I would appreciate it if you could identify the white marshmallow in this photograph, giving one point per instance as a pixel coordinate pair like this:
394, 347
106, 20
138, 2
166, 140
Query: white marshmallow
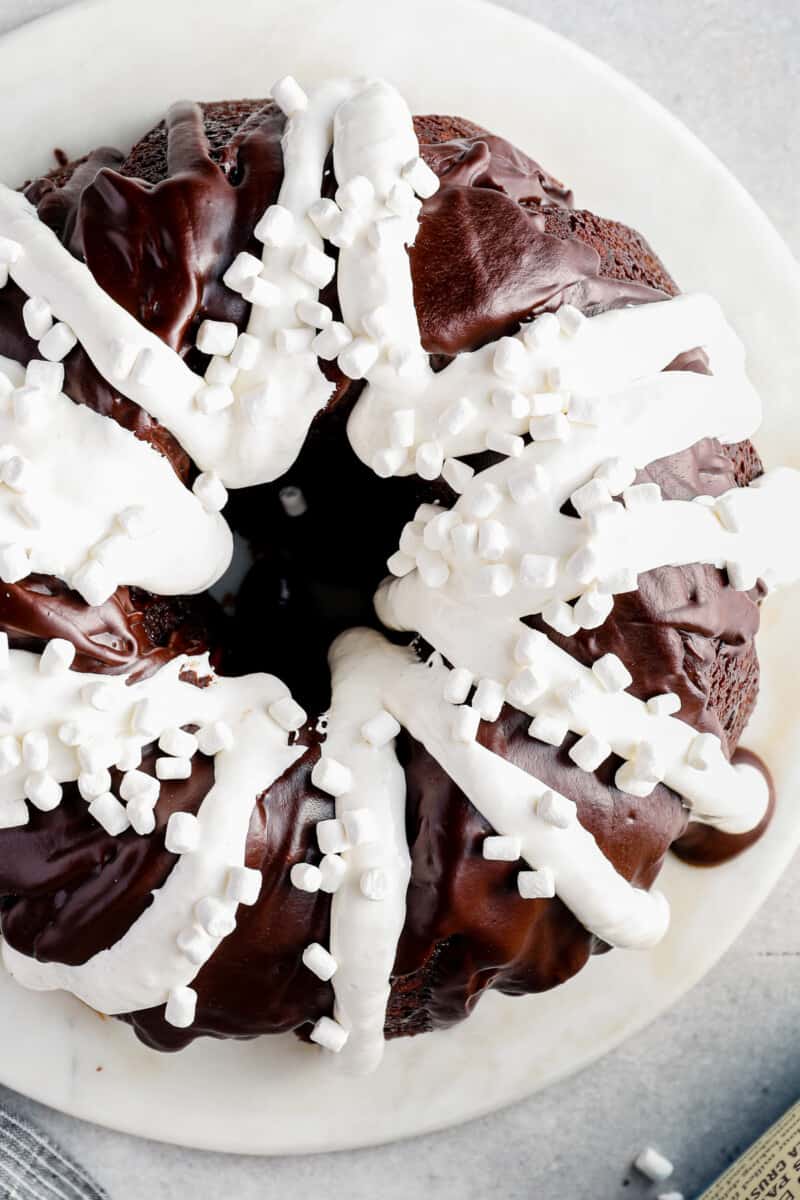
380, 729
109, 813
331, 776
502, 849
319, 961
329, 1034
181, 1007
183, 833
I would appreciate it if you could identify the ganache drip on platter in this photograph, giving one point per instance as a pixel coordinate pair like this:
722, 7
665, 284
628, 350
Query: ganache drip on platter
372, 340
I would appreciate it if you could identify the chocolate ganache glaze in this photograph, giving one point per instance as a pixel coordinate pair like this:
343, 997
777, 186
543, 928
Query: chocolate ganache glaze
498, 242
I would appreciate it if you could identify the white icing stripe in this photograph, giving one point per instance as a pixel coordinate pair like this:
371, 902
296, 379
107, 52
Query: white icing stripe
88, 481
365, 931
146, 964
585, 880
730, 797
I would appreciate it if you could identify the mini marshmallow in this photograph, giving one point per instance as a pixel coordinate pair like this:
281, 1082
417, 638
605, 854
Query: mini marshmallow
173, 768
35, 750
332, 870
130, 756
388, 462
511, 403
664, 705
331, 776
555, 809
429, 460
360, 826
245, 266
94, 583
570, 319
617, 474
260, 292
611, 673
216, 337
400, 564
70, 733
195, 944
182, 834
331, 836
509, 359
210, 491
524, 688
14, 563
181, 1007
536, 885
289, 96
43, 791
323, 214
275, 227
590, 496
332, 340
57, 656
373, 884
508, 444
356, 192
558, 614
380, 729
294, 341
437, 532
357, 357
457, 685
221, 371
418, 175
501, 849
312, 265
245, 352
305, 877
433, 569
457, 417
545, 404
528, 646
178, 743
312, 313
215, 737
48, 376
319, 961
135, 521
492, 540
215, 916
57, 342
141, 816
287, 713
551, 428
548, 728
37, 317
93, 756
329, 1034
641, 495
592, 608
457, 474
344, 229
589, 752
488, 699
243, 885
109, 813
654, 1165
538, 571
92, 784
465, 724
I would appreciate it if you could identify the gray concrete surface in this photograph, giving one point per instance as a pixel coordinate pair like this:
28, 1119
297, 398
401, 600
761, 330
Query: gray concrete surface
709, 1077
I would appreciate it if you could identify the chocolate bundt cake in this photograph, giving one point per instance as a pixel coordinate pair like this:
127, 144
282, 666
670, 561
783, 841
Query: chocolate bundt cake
304, 795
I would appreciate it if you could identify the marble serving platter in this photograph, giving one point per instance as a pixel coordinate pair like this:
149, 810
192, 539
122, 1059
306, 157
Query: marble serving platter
103, 72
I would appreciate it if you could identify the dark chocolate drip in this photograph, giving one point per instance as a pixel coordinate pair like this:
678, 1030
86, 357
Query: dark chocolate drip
486, 161
704, 846
132, 631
